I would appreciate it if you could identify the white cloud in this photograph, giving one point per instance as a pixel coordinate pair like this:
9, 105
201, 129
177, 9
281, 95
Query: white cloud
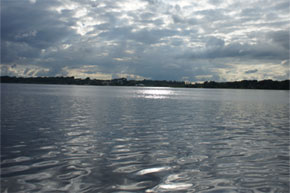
32, 1
129, 51
122, 59
23, 70
131, 76
86, 71
204, 77
260, 72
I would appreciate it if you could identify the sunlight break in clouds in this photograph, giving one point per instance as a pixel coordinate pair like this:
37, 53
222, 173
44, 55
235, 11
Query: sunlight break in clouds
157, 39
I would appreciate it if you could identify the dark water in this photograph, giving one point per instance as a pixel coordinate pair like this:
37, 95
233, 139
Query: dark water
131, 139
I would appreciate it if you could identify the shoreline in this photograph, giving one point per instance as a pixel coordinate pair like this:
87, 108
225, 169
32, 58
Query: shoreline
244, 84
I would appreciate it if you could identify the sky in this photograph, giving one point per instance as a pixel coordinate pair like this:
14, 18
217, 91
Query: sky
185, 40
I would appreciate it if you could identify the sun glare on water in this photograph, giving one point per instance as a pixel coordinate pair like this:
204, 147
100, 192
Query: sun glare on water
156, 93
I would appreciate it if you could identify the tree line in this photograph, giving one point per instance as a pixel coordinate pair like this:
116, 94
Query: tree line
244, 84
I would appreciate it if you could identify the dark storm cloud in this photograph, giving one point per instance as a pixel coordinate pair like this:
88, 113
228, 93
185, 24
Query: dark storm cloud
26, 29
22, 22
280, 37
146, 38
216, 48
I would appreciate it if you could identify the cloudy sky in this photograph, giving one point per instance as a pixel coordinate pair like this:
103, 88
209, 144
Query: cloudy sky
194, 40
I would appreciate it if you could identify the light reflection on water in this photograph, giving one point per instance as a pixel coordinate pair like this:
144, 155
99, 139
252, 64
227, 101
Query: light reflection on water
137, 139
155, 93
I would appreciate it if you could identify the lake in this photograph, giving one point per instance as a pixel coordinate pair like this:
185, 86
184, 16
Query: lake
68, 138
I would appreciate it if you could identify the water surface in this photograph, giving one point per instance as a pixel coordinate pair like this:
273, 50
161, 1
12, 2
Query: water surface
61, 138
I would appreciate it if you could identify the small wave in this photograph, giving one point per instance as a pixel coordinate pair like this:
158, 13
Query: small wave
153, 170
17, 160
127, 169
134, 186
48, 147
46, 163
170, 187
73, 174
13, 169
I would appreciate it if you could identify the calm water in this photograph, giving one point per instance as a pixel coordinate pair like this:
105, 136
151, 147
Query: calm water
60, 138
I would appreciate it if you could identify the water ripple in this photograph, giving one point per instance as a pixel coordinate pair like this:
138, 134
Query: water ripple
144, 140
152, 170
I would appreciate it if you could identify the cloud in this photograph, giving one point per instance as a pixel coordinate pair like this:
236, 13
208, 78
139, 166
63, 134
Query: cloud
23, 70
130, 76
245, 72
146, 38
204, 77
251, 71
216, 48
281, 38
84, 72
